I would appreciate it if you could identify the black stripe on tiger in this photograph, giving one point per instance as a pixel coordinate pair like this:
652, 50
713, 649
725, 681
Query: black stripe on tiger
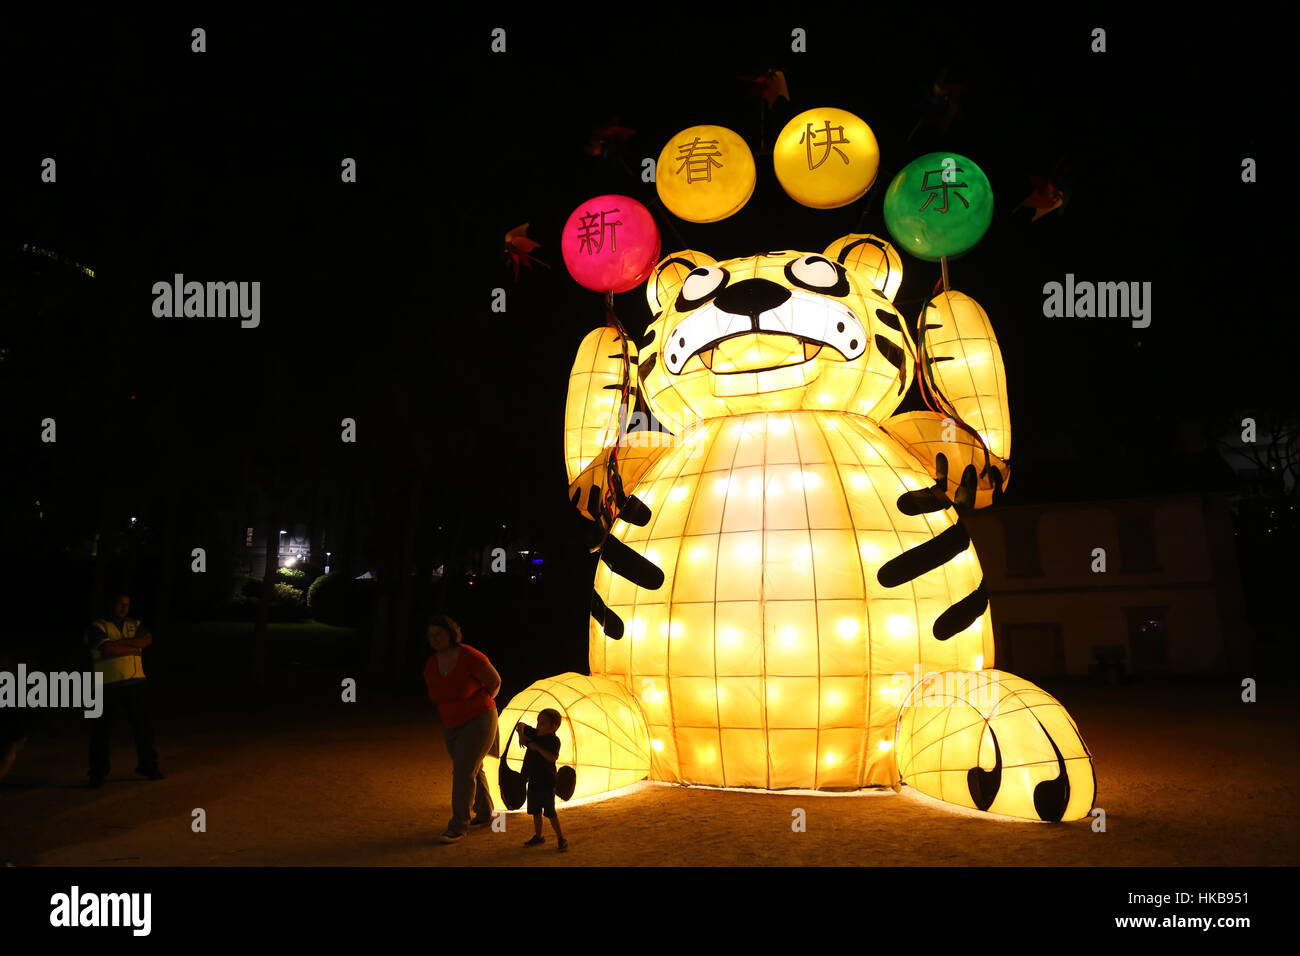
637, 568
645, 366
608, 620
891, 320
914, 562
962, 614
894, 356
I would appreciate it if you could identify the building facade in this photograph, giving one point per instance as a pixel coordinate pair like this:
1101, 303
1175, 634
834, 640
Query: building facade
1168, 601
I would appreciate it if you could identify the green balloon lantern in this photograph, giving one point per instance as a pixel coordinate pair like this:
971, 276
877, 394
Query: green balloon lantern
939, 205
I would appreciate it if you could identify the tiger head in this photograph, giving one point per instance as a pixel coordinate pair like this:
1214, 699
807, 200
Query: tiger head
775, 332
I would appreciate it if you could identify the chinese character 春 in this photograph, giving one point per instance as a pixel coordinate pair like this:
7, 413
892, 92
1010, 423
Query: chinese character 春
810, 136
697, 161
945, 186
591, 236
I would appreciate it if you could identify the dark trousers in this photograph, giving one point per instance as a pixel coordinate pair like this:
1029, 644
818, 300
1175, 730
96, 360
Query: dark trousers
468, 745
133, 700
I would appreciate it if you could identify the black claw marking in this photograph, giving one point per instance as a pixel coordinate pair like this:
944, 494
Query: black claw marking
962, 614
643, 369
593, 501
996, 478
577, 496
922, 502
1051, 797
513, 786
984, 784
566, 781
634, 511
635, 567
914, 562
608, 620
928, 499
965, 496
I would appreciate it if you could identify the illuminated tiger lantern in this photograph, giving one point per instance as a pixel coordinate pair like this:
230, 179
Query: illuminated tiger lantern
785, 596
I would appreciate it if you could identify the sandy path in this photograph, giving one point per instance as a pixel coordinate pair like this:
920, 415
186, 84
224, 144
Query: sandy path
1187, 775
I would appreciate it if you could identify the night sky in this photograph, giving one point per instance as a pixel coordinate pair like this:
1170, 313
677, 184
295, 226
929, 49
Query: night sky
224, 166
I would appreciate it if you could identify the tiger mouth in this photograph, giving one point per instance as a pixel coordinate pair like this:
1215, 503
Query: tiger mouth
751, 352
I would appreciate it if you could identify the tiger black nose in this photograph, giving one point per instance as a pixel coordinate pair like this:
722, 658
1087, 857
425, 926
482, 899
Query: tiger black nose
751, 297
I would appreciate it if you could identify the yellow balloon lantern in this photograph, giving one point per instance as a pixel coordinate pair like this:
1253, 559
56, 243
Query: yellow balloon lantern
826, 158
786, 566
705, 173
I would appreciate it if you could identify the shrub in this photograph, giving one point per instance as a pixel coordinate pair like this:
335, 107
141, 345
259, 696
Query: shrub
327, 598
249, 587
336, 599
287, 594
294, 577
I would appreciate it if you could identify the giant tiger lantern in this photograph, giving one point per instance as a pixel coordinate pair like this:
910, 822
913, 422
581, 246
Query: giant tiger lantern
785, 596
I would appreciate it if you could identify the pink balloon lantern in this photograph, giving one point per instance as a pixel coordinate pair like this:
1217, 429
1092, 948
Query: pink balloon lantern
610, 244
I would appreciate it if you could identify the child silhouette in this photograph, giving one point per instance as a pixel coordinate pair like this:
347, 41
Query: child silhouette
539, 771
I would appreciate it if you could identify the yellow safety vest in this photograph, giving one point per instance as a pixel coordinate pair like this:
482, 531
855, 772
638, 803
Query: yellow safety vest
117, 667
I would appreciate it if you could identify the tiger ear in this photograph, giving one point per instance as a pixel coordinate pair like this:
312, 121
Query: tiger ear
873, 260
668, 276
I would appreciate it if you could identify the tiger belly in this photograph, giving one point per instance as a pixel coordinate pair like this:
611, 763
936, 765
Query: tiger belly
795, 576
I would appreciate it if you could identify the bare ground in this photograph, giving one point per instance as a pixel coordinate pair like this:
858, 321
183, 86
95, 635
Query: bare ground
1187, 774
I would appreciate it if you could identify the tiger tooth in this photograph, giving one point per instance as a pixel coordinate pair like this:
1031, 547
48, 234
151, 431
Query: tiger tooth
810, 351
707, 358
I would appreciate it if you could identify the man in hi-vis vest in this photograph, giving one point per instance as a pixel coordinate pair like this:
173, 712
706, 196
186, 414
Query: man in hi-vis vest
115, 643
